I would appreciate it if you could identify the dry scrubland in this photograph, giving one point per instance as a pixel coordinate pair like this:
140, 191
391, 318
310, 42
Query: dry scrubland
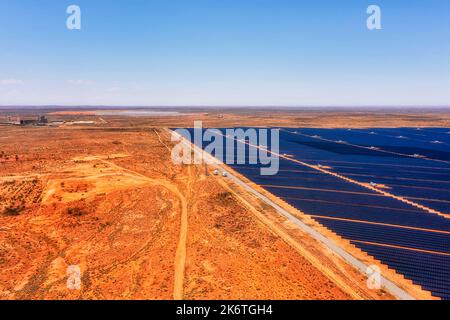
273, 117
220, 118
111, 202
109, 199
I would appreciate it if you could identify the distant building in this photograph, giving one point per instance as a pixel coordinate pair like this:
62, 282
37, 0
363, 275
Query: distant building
43, 120
27, 122
9, 120
40, 120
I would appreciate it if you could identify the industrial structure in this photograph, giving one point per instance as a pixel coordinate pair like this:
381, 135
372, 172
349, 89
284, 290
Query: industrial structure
40, 120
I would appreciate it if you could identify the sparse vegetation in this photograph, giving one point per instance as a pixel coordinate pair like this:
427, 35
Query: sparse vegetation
9, 183
225, 197
13, 211
76, 212
125, 220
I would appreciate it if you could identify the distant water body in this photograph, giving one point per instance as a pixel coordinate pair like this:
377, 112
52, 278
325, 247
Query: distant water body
137, 113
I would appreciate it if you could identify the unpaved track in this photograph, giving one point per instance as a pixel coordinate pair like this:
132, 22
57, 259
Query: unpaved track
362, 267
180, 260
389, 285
295, 245
180, 256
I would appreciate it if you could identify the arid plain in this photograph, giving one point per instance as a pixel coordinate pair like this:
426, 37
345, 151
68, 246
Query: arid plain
106, 197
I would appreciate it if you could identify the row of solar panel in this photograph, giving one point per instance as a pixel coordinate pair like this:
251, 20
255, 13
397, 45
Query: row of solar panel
390, 235
393, 137
330, 197
432, 183
428, 270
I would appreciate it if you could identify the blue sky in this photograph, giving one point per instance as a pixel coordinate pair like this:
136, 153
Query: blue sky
225, 52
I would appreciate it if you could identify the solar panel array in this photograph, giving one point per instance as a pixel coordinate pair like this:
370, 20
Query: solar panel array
413, 164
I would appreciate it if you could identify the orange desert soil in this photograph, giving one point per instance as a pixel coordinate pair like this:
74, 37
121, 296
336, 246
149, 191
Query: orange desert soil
107, 198
110, 201
260, 117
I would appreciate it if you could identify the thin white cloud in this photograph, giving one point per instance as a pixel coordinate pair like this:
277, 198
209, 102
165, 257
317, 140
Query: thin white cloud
80, 82
114, 89
10, 82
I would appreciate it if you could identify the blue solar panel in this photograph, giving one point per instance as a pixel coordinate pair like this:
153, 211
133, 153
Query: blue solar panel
384, 156
430, 271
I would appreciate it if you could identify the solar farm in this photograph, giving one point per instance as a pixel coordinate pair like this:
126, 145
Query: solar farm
387, 191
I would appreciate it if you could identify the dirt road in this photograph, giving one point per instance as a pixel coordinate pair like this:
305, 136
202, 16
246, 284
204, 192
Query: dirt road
180, 257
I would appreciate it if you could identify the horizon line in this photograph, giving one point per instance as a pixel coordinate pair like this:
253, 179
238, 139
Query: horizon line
221, 106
